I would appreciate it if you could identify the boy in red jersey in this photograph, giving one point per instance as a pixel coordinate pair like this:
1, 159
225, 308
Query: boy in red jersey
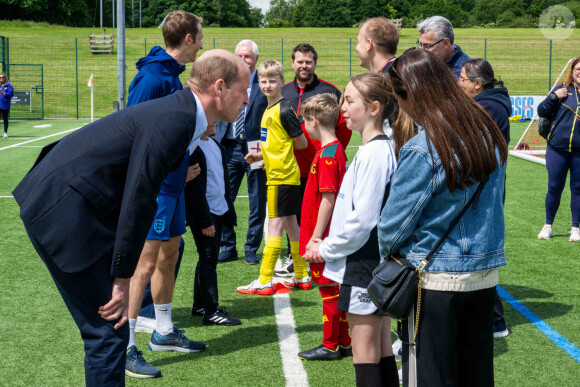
320, 113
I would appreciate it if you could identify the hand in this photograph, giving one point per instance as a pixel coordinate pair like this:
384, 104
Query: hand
192, 172
208, 232
312, 254
118, 307
577, 117
253, 157
561, 93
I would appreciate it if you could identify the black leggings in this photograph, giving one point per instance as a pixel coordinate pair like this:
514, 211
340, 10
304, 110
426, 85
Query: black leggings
5, 118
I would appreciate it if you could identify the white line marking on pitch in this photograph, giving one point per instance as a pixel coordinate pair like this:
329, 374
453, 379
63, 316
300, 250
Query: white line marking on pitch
293, 369
7, 197
38, 139
42, 126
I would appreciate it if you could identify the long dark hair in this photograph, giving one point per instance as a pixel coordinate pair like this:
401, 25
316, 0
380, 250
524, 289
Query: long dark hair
480, 68
463, 135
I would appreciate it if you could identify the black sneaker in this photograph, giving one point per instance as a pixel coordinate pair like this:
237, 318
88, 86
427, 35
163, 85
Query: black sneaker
320, 353
197, 311
220, 317
346, 351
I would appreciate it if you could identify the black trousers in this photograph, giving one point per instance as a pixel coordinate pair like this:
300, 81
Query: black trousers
5, 113
83, 293
455, 340
205, 286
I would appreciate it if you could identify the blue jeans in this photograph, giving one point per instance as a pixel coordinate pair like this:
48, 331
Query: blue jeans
558, 164
256, 179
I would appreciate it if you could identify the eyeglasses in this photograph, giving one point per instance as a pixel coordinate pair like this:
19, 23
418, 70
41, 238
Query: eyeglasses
426, 46
2, 77
461, 79
576, 70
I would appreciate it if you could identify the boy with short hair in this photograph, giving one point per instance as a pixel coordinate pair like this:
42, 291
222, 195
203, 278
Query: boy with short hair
281, 133
320, 113
208, 208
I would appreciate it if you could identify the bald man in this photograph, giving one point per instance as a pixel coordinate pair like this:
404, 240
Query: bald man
88, 201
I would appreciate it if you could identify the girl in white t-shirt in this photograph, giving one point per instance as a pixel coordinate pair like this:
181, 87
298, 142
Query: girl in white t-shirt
351, 249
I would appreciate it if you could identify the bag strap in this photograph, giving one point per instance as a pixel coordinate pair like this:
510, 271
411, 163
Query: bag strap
475, 198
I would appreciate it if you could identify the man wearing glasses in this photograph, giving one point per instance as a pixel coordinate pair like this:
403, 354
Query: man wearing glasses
436, 36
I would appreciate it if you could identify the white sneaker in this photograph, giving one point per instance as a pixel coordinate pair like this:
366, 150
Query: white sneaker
145, 324
401, 376
575, 234
5, 135
546, 232
398, 349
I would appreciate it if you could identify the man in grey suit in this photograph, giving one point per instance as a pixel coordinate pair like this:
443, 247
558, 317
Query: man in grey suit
90, 199
235, 137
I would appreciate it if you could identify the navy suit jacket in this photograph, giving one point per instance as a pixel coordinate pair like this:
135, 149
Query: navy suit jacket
255, 111
92, 195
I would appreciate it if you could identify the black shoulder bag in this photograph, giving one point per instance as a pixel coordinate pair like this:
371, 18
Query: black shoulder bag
396, 282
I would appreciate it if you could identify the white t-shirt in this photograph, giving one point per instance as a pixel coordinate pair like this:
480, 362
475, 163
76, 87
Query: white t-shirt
215, 190
358, 205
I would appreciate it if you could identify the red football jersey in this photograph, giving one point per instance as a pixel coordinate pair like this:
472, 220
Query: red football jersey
326, 173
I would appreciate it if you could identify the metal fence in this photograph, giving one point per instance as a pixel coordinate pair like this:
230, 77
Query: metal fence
526, 66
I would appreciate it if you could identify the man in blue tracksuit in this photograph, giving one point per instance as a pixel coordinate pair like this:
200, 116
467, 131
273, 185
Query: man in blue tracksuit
158, 76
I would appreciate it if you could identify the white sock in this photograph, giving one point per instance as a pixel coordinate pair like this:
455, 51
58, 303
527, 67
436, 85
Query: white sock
132, 324
163, 322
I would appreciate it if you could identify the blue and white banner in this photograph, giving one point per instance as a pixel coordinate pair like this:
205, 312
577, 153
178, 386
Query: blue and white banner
526, 105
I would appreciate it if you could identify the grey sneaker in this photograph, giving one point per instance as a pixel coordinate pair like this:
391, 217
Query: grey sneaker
137, 367
175, 341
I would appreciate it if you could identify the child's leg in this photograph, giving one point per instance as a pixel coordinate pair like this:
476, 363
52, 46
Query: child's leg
343, 331
293, 231
366, 348
388, 364
272, 249
330, 316
205, 285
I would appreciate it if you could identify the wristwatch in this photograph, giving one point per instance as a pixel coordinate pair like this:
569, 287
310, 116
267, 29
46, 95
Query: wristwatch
553, 96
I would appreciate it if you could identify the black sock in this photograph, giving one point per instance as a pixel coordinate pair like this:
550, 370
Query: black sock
367, 375
389, 371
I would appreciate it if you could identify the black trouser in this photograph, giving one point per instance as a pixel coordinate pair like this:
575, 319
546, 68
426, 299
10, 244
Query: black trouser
5, 118
205, 287
455, 340
83, 293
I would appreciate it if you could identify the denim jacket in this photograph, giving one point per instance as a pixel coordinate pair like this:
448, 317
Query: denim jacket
420, 208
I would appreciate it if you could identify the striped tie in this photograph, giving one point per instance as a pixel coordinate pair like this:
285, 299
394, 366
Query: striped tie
239, 125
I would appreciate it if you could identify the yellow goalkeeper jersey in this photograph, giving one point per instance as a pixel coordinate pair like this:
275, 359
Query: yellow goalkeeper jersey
279, 126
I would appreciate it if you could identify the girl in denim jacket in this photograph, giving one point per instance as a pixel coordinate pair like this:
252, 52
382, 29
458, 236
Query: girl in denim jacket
438, 172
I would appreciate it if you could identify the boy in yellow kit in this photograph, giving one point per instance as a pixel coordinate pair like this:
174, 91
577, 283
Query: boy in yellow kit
281, 133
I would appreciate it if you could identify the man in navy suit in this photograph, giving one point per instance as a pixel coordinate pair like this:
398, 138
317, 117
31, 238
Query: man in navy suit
234, 137
89, 200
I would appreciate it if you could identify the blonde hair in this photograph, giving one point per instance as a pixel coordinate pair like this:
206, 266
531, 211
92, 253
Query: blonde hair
323, 107
271, 68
